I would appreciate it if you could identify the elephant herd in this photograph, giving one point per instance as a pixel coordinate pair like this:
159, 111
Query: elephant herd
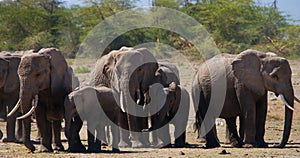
136, 95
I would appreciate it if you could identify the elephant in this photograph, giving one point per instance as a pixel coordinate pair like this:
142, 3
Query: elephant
9, 94
174, 110
98, 107
169, 72
101, 75
249, 75
1, 134
45, 79
132, 76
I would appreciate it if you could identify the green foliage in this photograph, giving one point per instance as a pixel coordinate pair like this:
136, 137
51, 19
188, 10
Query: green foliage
234, 25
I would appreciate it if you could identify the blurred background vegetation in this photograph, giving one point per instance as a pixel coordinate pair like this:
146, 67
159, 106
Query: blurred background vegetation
235, 25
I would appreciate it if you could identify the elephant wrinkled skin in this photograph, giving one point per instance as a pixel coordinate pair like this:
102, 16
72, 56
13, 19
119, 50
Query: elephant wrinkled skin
98, 107
250, 75
46, 79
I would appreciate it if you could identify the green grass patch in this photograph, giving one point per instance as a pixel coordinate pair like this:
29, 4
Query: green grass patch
82, 69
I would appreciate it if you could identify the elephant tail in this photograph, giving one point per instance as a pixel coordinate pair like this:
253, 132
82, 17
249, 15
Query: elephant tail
196, 95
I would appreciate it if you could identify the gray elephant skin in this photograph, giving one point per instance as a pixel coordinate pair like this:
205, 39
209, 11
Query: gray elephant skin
174, 110
45, 79
249, 75
9, 94
133, 74
98, 107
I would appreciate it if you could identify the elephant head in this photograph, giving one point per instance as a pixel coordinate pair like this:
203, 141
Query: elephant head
4, 66
104, 67
260, 74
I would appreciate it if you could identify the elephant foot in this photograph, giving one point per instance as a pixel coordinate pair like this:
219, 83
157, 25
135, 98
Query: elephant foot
124, 144
236, 143
3, 119
180, 145
44, 149
76, 148
115, 150
137, 144
248, 145
201, 140
58, 147
212, 145
261, 145
30, 146
93, 150
168, 146
9, 140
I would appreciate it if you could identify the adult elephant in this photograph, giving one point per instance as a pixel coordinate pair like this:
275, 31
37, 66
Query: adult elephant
132, 76
9, 93
98, 107
101, 75
174, 110
44, 78
249, 75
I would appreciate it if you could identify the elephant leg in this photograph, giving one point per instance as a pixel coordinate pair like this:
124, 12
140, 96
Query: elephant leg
94, 144
3, 112
56, 127
145, 135
233, 135
10, 129
124, 131
261, 114
136, 136
242, 126
154, 132
11, 123
211, 136
45, 128
19, 131
115, 138
248, 108
163, 134
74, 142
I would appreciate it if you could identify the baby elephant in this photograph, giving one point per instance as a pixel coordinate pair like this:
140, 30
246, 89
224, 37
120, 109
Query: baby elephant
96, 106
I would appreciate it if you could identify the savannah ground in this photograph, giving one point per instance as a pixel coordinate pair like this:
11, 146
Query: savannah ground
274, 127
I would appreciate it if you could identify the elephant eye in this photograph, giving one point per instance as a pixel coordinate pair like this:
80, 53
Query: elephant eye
274, 76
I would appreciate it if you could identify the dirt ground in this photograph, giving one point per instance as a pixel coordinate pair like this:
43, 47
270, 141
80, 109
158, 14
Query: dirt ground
274, 127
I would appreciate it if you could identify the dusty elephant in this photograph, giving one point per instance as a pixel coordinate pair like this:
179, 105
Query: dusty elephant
132, 76
99, 108
44, 78
174, 110
9, 93
101, 75
249, 75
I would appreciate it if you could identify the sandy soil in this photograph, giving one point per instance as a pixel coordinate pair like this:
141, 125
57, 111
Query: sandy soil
273, 133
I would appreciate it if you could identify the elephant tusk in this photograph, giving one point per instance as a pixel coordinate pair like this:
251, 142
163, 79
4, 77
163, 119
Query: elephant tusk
138, 96
298, 100
122, 102
286, 103
27, 114
14, 110
36, 99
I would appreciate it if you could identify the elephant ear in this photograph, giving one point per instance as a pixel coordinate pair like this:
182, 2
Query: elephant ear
12, 80
59, 69
247, 70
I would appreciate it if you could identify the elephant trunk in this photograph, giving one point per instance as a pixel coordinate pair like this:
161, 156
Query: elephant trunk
25, 101
288, 99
